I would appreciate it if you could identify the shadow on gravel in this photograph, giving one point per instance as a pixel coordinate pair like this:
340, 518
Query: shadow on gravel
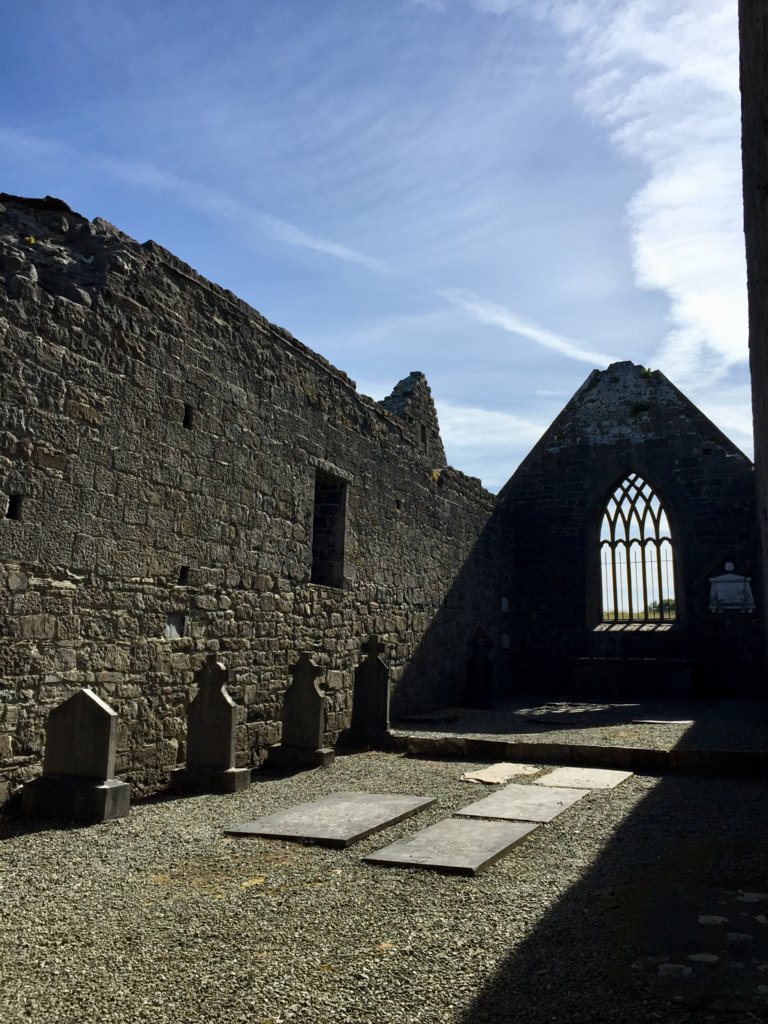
708, 725
669, 924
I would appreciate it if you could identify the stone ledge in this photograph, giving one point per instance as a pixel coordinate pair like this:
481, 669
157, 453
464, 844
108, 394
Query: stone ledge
752, 763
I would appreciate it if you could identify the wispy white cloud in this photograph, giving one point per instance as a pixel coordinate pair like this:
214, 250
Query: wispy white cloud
663, 79
492, 442
499, 316
144, 174
289, 233
495, 6
730, 408
470, 427
218, 203
434, 5
23, 143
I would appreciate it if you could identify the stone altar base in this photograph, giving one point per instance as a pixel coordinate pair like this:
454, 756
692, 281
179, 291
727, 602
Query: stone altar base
287, 756
73, 798
210, 780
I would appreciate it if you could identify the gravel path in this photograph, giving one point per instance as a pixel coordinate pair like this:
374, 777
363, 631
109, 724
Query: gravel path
737, 725
161, 918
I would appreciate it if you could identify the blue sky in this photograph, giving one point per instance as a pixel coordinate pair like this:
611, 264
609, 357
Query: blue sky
500, 193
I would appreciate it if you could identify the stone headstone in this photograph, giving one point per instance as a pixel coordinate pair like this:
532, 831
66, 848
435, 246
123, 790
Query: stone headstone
456, 846
335, 820
518, 802
478, 691
81, 738
730, 592
211, 734
303, 720
79, 764
370, 697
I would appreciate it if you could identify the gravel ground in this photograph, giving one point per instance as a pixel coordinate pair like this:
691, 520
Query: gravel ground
708, 726
161, 918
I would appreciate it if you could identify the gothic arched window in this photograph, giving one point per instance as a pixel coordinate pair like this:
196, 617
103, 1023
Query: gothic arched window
636, 556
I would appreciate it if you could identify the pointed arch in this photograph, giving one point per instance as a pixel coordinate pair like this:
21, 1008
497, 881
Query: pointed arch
637, 558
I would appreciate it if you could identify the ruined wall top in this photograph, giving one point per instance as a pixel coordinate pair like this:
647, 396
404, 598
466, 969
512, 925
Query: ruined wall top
46, 245
411, 400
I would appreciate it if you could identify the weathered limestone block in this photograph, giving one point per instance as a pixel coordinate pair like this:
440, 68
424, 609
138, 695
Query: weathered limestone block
77, 781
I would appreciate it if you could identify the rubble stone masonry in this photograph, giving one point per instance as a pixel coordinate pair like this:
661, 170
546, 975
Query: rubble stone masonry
163, 448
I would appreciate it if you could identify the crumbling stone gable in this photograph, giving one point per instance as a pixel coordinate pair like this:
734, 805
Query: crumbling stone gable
629, 419
411, 401
160, 443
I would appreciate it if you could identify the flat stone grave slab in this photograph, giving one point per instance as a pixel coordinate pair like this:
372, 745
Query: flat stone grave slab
584, 778
336, 820
457, 846
523, 803
495, 774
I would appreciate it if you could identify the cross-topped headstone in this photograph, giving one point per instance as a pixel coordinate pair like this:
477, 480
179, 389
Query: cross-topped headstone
303, 719
212, 718
79, 764
304, 707
211, 735
370, 697
373, 647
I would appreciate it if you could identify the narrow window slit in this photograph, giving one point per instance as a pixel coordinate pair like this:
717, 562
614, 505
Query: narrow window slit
15, 505
328, 530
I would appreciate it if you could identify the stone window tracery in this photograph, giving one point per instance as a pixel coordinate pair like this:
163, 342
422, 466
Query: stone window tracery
636, 556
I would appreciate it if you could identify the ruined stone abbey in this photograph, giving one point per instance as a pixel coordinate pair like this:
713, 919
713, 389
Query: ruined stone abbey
179, 476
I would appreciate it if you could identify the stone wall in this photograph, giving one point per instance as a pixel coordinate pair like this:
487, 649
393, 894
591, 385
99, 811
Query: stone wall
753, 32
629, 419
160, 443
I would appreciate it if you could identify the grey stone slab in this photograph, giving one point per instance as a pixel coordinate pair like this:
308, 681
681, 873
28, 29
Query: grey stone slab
524, 803
584, 778
335, 820
458, 846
